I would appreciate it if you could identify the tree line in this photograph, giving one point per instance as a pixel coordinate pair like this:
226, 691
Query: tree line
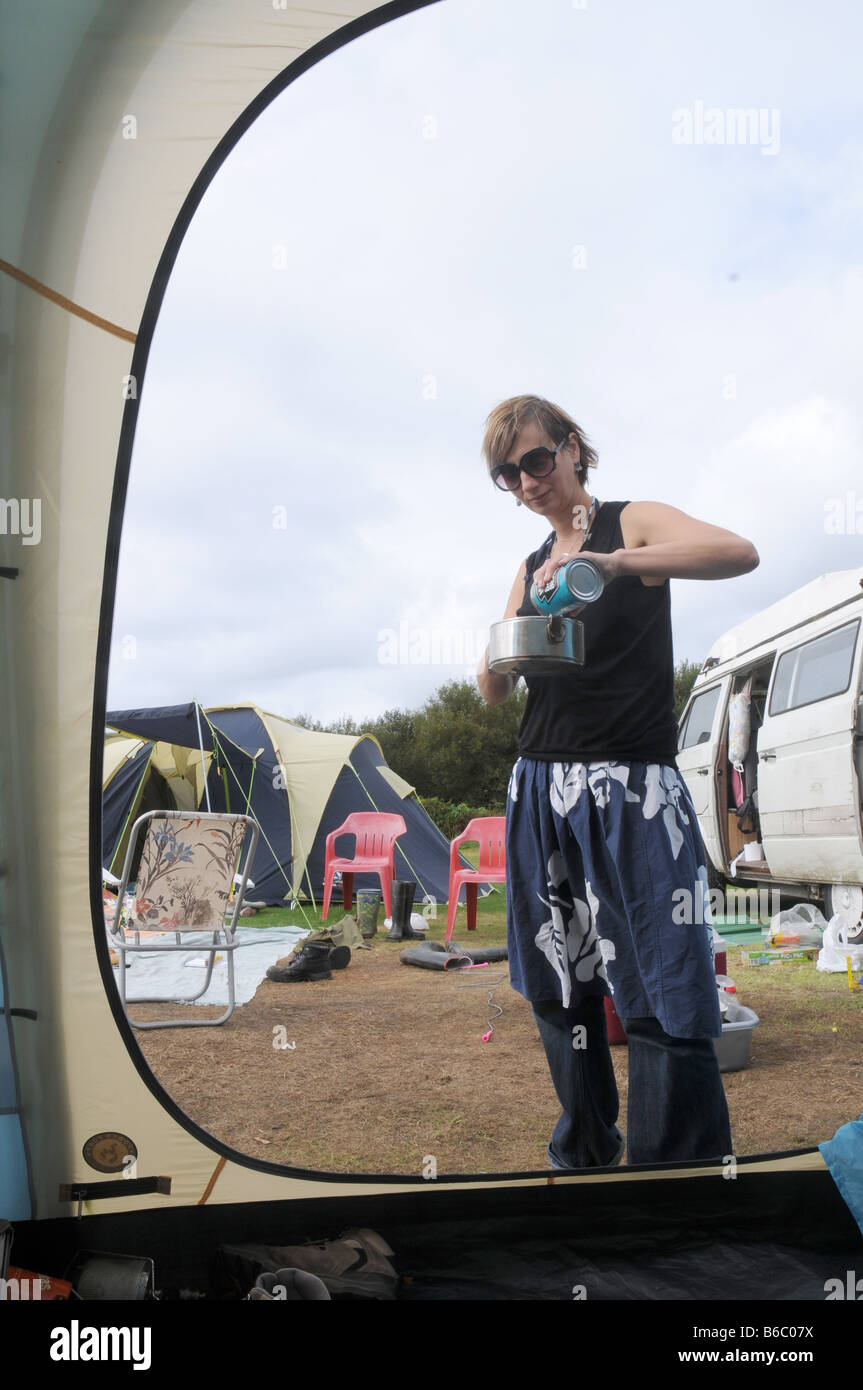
456, 750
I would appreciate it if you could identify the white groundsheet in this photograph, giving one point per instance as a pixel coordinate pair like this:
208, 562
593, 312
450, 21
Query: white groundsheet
173, 974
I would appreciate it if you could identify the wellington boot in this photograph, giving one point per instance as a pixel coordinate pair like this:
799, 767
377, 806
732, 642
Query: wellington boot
402, 900
431, 956
480, 955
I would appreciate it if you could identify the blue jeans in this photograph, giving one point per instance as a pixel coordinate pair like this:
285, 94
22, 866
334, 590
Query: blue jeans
676, 1108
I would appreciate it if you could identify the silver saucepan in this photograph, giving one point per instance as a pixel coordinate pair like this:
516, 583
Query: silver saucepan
535, 646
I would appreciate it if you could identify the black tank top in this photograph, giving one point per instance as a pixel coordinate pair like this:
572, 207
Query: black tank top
620, 704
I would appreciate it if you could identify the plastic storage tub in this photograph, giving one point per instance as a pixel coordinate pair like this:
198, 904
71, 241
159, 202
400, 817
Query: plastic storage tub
733, 1048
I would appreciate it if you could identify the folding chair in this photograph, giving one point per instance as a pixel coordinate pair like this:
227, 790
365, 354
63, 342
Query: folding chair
183, 887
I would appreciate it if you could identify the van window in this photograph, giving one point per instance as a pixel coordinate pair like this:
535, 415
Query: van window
699, 721
815, 670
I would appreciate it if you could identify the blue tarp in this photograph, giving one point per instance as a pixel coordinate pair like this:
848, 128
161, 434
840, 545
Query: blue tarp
175, 724
843, 1155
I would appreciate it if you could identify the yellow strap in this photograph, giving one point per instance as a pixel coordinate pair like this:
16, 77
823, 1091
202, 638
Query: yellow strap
67, 304
212, 1183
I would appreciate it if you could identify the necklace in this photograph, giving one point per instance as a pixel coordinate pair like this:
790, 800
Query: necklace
587, 528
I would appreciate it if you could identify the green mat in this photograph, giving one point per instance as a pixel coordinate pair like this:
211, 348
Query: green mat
735, 931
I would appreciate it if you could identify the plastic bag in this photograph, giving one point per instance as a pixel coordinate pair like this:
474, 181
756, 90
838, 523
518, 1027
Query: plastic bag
834, 954
800, 925
739, 726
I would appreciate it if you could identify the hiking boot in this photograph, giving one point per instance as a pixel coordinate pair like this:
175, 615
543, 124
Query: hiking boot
356, 1263
339, 957
311, 963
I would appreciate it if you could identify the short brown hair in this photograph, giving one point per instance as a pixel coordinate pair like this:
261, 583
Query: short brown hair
505, 421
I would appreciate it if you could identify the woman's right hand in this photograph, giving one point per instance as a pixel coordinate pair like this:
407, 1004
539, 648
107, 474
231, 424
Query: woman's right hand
495, 689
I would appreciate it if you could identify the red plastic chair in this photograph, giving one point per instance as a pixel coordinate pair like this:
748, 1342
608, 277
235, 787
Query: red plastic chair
376, 833
489, 832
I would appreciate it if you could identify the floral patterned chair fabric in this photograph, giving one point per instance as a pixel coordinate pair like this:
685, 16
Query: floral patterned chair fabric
185, 884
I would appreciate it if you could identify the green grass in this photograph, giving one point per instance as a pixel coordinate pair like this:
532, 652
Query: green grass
490, 923
283, 917
815, 993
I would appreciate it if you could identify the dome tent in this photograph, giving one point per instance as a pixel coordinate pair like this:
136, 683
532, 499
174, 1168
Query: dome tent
89, 239
298, 783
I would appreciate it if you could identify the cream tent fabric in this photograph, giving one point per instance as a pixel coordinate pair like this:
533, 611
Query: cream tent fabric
397, 783
112, 111
118, 750
181, 767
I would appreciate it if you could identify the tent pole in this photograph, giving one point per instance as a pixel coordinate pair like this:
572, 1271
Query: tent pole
203, 763
377, 808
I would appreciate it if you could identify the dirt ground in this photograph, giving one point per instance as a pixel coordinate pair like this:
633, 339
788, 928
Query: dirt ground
385, 1068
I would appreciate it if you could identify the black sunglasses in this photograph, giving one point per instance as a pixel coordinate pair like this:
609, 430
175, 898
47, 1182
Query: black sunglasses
538, 463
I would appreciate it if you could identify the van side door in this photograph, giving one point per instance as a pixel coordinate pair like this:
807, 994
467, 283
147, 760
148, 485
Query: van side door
808, 794
701, 731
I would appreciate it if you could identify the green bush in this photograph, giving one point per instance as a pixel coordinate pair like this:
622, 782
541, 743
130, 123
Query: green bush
452, 816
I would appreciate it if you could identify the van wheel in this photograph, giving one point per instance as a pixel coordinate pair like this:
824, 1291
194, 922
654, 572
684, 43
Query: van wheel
846, 898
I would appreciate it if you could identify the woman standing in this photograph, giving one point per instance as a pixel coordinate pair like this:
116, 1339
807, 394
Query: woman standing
601, 832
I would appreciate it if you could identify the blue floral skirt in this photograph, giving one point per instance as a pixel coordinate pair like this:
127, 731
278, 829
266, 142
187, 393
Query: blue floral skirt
607, 892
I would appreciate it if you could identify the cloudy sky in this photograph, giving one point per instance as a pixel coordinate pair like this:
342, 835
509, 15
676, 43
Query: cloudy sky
486, 198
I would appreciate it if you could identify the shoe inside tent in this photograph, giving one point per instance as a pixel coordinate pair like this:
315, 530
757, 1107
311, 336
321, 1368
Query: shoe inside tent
90, 237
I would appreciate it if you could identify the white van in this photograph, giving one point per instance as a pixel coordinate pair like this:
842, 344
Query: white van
804, 767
